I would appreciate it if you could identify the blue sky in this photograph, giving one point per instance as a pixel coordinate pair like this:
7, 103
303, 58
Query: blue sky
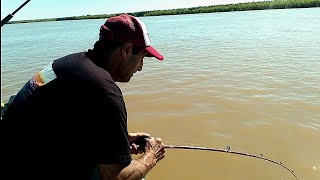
39, 9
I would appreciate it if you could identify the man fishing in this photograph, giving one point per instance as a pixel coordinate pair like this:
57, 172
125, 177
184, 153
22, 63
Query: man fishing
70, 119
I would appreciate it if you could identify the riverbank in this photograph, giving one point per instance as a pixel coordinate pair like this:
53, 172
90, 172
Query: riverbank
276, 4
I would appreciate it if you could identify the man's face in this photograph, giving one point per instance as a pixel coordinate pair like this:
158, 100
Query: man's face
132, 65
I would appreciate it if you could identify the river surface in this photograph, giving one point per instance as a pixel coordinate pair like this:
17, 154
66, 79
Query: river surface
249, 80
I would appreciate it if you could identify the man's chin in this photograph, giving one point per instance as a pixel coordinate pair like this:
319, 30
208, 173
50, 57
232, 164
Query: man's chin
124, 80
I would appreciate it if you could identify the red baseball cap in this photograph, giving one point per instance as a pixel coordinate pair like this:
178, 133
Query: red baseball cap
126, 28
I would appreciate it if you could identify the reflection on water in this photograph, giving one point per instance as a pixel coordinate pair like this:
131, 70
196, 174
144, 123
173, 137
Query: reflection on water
249, 80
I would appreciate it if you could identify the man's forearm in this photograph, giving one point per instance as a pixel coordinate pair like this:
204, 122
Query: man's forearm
136, 170
139, 168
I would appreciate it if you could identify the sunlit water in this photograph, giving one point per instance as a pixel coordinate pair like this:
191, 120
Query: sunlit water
248, 80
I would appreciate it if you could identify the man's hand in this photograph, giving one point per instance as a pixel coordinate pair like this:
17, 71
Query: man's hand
154, 152
134, 139
137, 169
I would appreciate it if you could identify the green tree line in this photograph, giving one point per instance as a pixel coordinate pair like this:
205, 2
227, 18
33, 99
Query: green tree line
275, 4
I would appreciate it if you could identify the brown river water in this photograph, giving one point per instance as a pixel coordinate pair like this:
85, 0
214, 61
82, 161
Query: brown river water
248, 80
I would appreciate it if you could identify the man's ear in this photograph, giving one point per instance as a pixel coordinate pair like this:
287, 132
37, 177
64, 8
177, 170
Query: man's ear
126, 50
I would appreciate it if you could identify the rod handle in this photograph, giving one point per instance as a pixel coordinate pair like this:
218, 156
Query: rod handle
142, 143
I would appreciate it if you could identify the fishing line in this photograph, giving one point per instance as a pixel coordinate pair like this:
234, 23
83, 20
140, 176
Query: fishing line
228, 150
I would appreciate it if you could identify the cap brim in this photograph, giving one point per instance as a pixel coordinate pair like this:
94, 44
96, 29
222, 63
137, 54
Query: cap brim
152, 52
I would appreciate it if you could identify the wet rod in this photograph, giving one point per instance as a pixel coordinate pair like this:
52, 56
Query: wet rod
7, 18
227, 150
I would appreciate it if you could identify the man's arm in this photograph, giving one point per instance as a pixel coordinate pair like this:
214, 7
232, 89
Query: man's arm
137, 169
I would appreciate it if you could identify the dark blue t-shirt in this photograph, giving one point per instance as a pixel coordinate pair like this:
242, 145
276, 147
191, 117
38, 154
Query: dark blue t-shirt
68, 117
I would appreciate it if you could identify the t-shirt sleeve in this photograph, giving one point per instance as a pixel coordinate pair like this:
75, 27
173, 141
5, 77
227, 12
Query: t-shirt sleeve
111, 135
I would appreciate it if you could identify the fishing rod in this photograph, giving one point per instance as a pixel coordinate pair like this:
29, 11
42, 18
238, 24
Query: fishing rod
143, 140
7, 18
227, 150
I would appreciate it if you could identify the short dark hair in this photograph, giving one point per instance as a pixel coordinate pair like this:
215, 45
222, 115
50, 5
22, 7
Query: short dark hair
107, 46
102, 48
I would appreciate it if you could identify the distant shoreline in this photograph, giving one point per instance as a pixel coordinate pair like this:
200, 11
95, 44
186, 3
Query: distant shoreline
262, 5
